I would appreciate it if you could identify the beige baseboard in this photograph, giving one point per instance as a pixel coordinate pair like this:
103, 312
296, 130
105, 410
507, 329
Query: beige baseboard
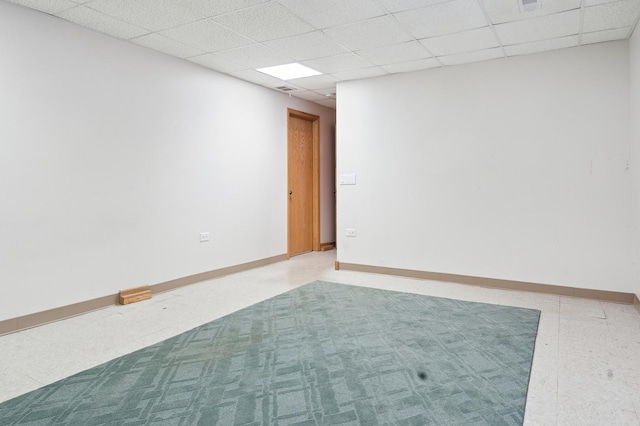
636, 302
39, 318
604, 295
192, 279
56, 314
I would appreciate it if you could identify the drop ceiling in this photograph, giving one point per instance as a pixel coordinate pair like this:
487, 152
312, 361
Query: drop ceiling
346, 39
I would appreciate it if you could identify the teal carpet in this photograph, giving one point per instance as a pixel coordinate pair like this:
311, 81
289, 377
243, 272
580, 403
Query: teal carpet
322, 354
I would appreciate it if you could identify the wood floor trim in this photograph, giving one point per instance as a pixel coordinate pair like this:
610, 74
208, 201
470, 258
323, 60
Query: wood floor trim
327, 246
56, 314
603, 295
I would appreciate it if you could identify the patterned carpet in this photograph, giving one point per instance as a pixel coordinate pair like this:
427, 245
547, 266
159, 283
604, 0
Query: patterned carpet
322, 354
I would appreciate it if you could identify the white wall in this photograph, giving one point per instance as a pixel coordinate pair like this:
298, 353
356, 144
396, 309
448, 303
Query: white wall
634, 73
113, 158
514, 169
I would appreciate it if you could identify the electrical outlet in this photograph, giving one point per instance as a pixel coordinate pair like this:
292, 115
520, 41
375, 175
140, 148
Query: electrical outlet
204, 236
351, 232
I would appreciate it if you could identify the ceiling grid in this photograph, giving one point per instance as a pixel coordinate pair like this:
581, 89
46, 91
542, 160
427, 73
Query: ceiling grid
346, 40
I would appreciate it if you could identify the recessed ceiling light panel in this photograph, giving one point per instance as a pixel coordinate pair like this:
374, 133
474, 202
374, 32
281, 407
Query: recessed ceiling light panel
289, 71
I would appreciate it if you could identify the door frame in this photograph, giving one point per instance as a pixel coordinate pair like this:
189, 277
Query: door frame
315, 152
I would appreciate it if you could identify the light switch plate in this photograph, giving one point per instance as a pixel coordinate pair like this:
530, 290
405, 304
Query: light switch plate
204, 236
350, 232
347, 179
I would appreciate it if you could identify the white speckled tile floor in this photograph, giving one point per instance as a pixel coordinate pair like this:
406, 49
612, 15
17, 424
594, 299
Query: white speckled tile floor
586, 367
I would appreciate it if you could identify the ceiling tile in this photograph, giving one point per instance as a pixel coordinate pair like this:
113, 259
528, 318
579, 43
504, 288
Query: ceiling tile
298, 46
545, 27
328, 93
331, 13
209, 8
268, 21
255, 56
154, 15
501, 11
422, 64
596, 2
217, 63
257, 77
316, 82
342, 62
479, 55
479, 39
101, 22
375, 32
443, 18
331, 103
359, 74
608, 35
310, 95
541, 46
166, 45
207, 35
403, 52
402, 5
611, 15
47, 6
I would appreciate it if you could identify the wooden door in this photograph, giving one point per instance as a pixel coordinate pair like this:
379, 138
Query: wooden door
303, 193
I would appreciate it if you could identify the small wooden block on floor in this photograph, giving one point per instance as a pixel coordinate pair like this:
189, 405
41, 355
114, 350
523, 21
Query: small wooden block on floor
134, 295
326, 247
